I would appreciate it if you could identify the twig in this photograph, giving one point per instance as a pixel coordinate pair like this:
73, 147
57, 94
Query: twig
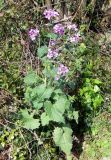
93, 1
78, 9
45, 6
63, 20
26, 144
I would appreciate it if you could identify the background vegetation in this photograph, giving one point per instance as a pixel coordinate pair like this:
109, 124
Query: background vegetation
88, 85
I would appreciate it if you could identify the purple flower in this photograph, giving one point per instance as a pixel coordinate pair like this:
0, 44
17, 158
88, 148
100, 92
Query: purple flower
52, 42
72, 26
61, 71
75, 38
50, 13
52, 53
57, 77
59, 29
33, 33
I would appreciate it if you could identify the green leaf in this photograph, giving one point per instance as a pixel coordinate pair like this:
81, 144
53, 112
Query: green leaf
97, 101
49, 70
31, 78
24, 113
76, 116
48, 105
97, 81
52, 35
44, 119
58, 91
54, 112
62, 103
42, 51
2, 4
35, 93
69, 157
28, 121
43, 92
37, 105
63, 138
28, 94
82, 47
40, 89
96, 88
47, 93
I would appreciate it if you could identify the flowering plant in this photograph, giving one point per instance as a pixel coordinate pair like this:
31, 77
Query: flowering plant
44, 91
50, 14
33, 33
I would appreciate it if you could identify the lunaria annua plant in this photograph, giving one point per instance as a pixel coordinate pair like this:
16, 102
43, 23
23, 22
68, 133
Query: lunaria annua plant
47, 95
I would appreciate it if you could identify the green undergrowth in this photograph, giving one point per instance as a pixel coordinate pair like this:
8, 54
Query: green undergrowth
98, 146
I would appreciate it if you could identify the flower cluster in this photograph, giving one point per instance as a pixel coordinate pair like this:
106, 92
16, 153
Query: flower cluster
75, 38
72, 26
59, 29
33, 33
52, 43
50, 13
52, 53
61, 71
